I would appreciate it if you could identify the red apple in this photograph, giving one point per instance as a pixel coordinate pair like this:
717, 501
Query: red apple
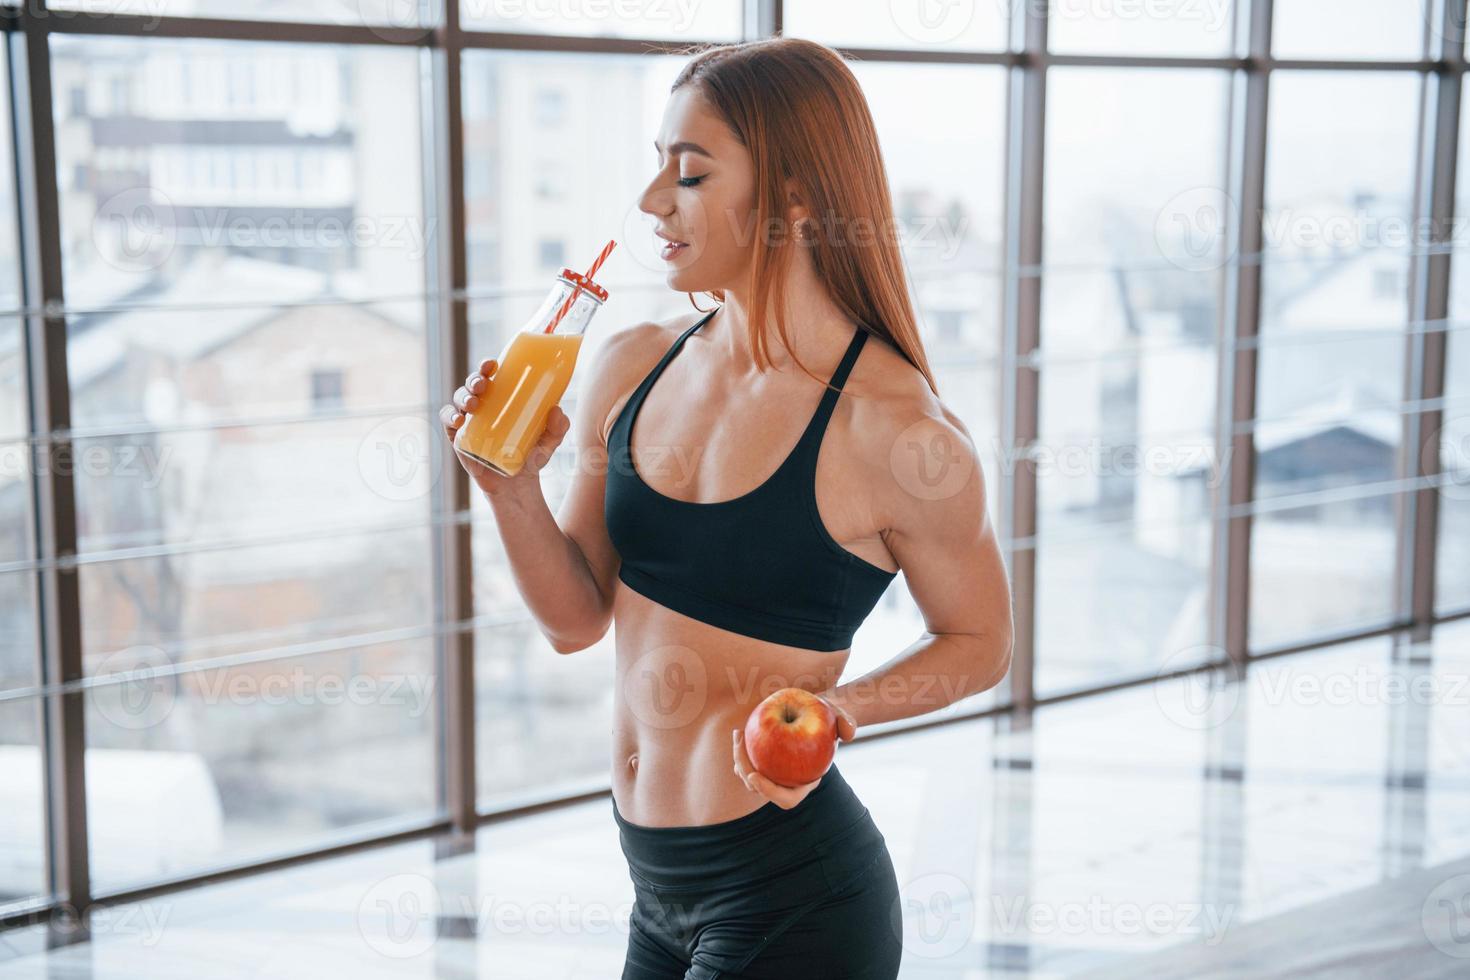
791, 736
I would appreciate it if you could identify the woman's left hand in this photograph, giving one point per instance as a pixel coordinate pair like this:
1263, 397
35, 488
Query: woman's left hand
785, 797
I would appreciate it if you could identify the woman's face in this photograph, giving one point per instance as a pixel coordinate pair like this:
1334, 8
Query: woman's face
703, 197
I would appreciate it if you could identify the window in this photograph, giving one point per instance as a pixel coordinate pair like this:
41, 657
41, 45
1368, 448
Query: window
207, 295
550, 107
553, 253
1330, 381
326, 389
1127, 400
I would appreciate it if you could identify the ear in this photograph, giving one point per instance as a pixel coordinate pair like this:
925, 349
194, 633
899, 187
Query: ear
796, 203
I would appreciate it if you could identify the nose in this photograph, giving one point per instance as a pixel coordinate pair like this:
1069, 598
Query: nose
655, 199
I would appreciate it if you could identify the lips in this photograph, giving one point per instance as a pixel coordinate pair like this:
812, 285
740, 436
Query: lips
672, 246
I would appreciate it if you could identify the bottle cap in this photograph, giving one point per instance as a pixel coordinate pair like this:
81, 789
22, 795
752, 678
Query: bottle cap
588, 286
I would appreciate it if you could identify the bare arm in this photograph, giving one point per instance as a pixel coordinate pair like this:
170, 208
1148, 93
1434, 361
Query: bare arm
942, 537
564, 566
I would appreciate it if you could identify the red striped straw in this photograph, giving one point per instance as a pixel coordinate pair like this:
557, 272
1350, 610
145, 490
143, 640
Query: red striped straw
592, 271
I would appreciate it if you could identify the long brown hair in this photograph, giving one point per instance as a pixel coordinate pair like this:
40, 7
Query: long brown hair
799, 110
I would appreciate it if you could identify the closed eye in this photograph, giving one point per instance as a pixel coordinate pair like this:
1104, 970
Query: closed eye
689, 181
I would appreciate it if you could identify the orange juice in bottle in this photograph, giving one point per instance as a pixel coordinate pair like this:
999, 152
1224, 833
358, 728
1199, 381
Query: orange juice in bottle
531, 375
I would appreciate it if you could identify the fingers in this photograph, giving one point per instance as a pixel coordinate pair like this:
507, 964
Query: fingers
557, 426
487, 368
846, 727
450, 419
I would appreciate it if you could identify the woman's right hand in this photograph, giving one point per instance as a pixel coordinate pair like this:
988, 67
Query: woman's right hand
466, 400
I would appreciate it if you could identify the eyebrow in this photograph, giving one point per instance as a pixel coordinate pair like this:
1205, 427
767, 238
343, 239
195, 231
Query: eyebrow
685, 147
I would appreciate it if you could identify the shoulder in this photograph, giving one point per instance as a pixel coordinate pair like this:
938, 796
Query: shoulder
624, 358
922, 463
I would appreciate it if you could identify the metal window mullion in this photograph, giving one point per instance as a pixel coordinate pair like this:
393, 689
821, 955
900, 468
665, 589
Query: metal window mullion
1240, 327
1021, 332
448, 364
58, 606
1424, 380
762, 19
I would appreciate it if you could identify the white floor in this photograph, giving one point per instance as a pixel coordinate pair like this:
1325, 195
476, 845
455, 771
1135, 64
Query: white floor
1173, 830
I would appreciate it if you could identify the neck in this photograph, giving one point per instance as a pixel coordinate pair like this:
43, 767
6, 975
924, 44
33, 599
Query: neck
816, 329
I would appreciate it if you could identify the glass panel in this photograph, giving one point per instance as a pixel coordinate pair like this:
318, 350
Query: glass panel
714, 20
1126, 438
1330, 375
22, 828
1173, 27
1130, 308
189, 369
886, 24
1348, 29
198, 487
232, 600
1339, 184
945, 174
19, 652
1321, 568
190, 771
372, 13
1452, 576
1453, 592
540, 171
197, 173
10, 271
1121, 602
1128, 185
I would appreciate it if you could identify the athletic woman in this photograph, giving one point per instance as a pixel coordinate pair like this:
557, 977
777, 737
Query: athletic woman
740, 505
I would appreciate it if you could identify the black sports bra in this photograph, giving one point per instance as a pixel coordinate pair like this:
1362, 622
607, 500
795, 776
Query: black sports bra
761, 564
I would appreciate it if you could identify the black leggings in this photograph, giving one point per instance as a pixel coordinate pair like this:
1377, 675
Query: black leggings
776, 893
